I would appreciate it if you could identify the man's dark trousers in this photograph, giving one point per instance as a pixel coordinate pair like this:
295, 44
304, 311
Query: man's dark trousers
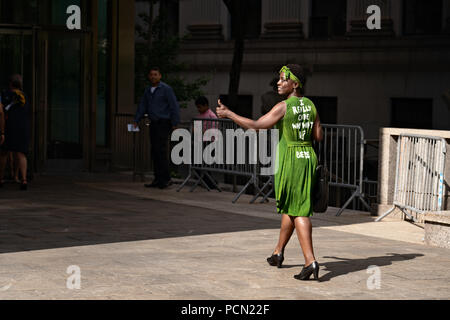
159, 140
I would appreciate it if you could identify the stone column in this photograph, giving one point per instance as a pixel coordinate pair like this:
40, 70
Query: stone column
357, 18
282, 19
305, 14
203, 19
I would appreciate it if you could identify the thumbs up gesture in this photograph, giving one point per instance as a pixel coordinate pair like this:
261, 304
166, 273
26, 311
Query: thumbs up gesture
222, 111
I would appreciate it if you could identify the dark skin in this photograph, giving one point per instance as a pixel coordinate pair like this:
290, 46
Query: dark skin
302, 225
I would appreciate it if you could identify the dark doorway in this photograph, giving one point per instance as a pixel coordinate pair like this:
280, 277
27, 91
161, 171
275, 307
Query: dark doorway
422, 17
412, 113
244, 107
327, 108
64, 140
328, 18
252, 26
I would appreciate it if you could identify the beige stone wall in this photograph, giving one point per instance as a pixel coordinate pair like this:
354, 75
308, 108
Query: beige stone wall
388, 160
437, 234
203, 12
364, 74
281, 11
360, 74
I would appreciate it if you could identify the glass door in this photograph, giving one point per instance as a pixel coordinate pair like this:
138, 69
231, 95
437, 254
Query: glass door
64, 139
16, 56
62, 62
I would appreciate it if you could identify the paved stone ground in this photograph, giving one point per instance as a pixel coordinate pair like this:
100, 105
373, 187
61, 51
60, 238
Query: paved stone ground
134, 243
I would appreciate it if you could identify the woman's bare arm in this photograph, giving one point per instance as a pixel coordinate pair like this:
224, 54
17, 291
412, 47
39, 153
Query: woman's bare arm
317, 130
265, 122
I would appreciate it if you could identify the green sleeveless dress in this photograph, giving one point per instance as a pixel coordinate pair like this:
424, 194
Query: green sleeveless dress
296, 158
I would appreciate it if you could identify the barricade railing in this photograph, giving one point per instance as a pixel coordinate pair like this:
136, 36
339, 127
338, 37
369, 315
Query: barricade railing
122, 156
132, 149
229, 160
342, 152
142, 163
419, 175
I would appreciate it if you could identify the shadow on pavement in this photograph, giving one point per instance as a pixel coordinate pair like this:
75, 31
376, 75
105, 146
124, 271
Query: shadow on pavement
345, 266
56, 212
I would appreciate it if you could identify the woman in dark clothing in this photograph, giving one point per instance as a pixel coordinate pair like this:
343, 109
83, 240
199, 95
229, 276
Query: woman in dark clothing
17, 131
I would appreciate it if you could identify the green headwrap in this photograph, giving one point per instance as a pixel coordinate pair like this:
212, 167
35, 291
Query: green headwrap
289, 75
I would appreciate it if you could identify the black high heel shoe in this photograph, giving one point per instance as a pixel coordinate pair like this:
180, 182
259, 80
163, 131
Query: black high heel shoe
305, 274
276, 260
23, 186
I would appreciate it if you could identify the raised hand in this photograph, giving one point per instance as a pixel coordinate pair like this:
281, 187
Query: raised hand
222, 111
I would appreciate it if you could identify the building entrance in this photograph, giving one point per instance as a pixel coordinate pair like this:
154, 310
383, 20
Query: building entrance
53, 67
63, 95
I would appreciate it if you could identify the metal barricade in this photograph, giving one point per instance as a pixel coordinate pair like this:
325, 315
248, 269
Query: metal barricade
342, 152
419, 175
131, 149
142, 163
267, 181
240, 164
122, 143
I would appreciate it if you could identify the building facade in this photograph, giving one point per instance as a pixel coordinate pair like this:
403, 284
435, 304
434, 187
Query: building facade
397, 76
77, 80
81, 82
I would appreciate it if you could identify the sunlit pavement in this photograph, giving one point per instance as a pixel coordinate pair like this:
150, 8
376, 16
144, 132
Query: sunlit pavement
101, 236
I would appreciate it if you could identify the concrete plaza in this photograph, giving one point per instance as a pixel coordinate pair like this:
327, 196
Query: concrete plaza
129, 242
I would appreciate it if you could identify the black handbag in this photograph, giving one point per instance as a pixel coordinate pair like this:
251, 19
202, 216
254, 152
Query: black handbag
320, 191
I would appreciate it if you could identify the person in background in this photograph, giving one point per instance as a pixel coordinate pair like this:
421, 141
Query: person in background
160, 103
17, 128
204, 112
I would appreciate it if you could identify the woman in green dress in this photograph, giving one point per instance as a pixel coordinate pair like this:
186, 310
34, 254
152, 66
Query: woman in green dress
298, 123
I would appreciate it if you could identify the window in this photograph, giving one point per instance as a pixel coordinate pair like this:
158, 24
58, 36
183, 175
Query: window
165, 18
171, 10
422, 17
328, 18
18, 11
244, 107
252, 25
412, 113
326, 107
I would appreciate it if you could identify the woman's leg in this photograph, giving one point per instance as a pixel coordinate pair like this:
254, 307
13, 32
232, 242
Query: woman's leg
14, 163
22, 162
304, 233
10, 162
3, 158
286, 230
